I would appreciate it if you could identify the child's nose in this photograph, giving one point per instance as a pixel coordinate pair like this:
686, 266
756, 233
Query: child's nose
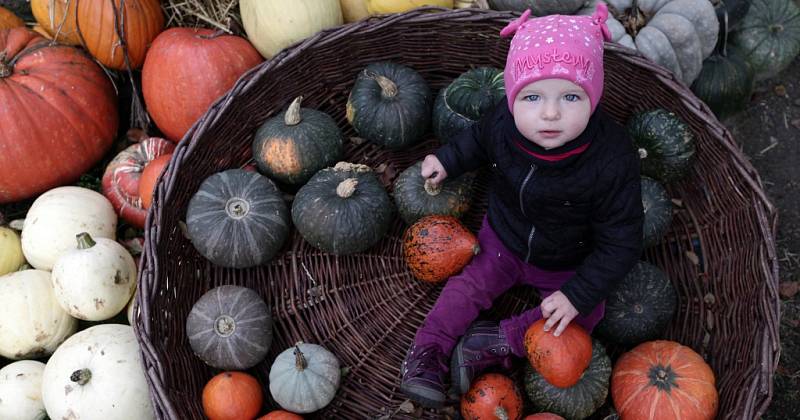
550, 111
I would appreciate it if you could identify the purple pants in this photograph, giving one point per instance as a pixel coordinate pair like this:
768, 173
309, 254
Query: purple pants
490, 273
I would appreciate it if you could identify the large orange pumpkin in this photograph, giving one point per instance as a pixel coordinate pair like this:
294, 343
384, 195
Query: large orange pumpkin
437, 247
492, 396
280, 415
100, 21
9, 20
232, 396
57, 18
663, 380
58, 114
560, 360
186, 70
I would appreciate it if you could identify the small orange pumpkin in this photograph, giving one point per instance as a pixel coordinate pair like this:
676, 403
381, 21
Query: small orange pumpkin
560, 360
437, 247
543, 416
9, 20
150, 174
232, 396
492, 396
62, 24
280, 415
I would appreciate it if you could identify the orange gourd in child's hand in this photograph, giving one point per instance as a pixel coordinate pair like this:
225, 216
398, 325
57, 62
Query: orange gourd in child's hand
560, 360
147, 183
437, 247
232, 396
492, 396
280, 415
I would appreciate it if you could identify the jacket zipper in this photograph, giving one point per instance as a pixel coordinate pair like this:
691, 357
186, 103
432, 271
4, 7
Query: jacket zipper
522, 208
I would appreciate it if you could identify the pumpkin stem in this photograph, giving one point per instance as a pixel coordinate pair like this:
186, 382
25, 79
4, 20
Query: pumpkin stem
634, 19
237, 208
642, 153
224, 325
85, 240
354, 167
300, 361
476, 249
501, 413
81, 376
292, 116
346, 188
388, 87
5, 69
431, 188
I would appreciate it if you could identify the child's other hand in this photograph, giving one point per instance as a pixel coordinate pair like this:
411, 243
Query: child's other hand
432, 169
556, 308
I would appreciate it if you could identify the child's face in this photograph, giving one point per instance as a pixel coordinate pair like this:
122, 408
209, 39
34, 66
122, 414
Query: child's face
552, 112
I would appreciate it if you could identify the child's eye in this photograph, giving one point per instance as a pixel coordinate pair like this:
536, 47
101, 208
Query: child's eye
531, 98
571, 97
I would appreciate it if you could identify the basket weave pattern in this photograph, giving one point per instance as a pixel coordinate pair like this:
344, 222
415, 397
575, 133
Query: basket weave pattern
366, 308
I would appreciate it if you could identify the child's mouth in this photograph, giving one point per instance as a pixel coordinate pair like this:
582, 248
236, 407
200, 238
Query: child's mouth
549, 134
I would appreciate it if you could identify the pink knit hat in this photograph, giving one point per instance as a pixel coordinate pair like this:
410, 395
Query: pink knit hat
557, 46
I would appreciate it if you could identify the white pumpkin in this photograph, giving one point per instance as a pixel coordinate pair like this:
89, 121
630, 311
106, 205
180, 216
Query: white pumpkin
95, 281
32, 323
21, 391
97, 375
304, 378
57, 216
276, 24
11, 258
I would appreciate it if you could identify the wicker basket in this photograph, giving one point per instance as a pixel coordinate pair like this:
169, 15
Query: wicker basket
366, 308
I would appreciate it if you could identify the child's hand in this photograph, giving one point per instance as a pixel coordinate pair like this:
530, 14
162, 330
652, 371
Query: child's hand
433, 169
555, 308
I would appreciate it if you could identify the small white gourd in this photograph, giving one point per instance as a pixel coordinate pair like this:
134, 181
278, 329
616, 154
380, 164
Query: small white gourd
304, 378
21, 391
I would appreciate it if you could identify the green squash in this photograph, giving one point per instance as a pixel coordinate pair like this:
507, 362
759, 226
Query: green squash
725, 84
465, 100
665, 144
657, 211
415, 197
294, 145
578, 401
640, 307
343, 210
769, 36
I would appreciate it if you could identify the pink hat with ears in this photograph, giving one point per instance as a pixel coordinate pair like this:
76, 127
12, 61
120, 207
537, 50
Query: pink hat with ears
557, 46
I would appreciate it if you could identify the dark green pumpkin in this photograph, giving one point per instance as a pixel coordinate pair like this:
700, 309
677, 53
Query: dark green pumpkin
343, 210
665, 144
578, 401
237, 219
657, 211
769, 36
390, 105
415, 197
465, 100
640, 307
230, 327
725, 83
294, 145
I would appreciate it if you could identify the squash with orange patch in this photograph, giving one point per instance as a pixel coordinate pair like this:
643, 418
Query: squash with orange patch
560, 360
437, 247
492, 396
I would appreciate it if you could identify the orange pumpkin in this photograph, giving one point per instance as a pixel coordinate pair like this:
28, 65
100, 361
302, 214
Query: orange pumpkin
492, 396
663, 380
280, 415
100, 21
560, 360
62, 27
437, 247
150, 174
232, 396
543, 416
9, 20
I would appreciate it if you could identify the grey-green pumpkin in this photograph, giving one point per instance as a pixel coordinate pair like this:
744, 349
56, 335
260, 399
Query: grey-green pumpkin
665, 144
417, 197
465, 100
657, 211
769, 36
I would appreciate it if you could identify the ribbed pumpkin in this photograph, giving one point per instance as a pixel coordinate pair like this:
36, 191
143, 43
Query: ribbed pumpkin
11, 257
578, 401
295, 144
49, 138
417, 197
437, 247
560, 360
237, 219
663, 379
769, 36
657, 211
230, 327
665, 144
304, 378
9, 20
390, 105
343, 210
465, 100
640, 307
539, 7
232, 396
492, 396
186, 70
57, 18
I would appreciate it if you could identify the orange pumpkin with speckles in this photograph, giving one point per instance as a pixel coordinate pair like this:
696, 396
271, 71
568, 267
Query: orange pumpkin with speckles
492, 396
437, 247
560, 360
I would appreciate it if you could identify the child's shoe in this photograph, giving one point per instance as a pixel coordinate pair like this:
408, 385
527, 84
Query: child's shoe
481, 347
424, 372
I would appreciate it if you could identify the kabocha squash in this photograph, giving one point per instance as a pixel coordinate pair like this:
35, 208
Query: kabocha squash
32, 324
769, 36
465, 100
665, 144
9, 20
21, 391
97, 374
150, 174
578, 401
663, 379
11, 257
237, 219
186, 70
280, 415
725, 84
657, 211
232, 396
343, 210
49, 138
304, 378
276, 24
379, 7
437, 247
492, 396
390, 105
230, 327
560, 360
640, 307
292, 146
57, 18
417, 197
123, 177
539, 7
